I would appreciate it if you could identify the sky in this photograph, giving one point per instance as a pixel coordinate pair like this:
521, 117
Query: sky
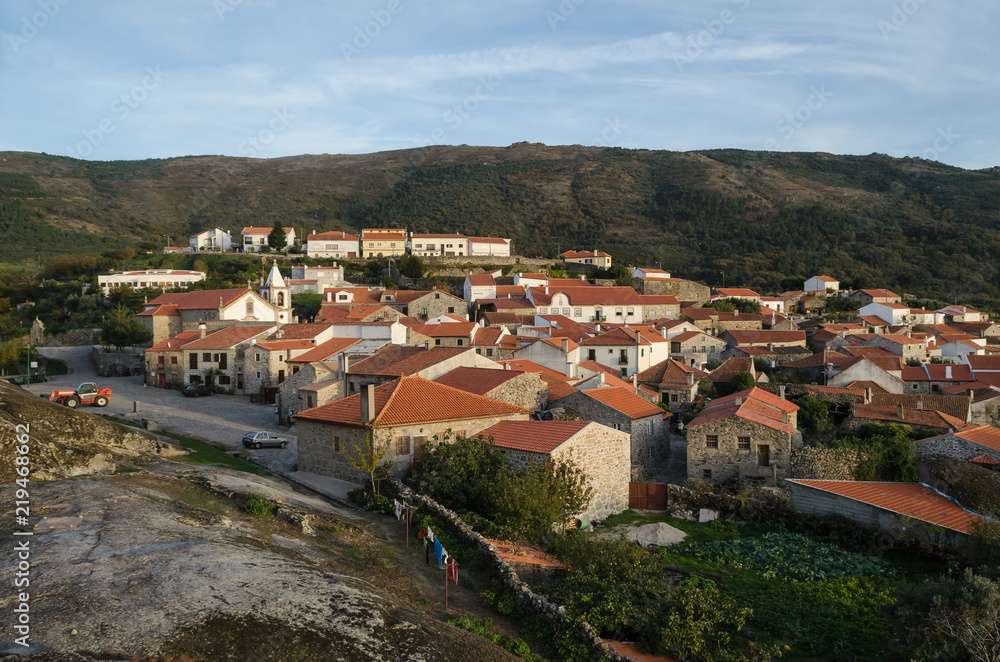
135, 79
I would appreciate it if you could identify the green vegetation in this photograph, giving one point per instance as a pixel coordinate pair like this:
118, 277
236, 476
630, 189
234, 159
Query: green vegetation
473, 477
812, 415
277, 237
123, 329
886, 451
733, 304
484, 628
258, 506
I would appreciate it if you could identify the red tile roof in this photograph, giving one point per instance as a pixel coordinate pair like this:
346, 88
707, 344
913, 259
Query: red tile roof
175, 343
480, 280
253, 230
531, 366
936, 372
488, 240
587, 296
228, 338
332, 236
301, 331
477, 380
736, 292
730, 368
399, 360
323, 351
659, 299
984, 435
558, 388
583, 254
987, 363
918, 501
533, 436
410, 400
594, 366
924, 418
756, 405
954, 406
763, 337
271, 345
624, 401
201, 299
881, 294
166, 309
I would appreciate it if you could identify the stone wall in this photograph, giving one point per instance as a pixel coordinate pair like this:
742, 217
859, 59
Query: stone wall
528, 390
308, 374
71, 338
955, 447
684, 290
117, 364
533, 603
824, 463
728, 460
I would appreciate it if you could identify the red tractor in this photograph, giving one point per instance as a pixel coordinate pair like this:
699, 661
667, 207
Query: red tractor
86, 393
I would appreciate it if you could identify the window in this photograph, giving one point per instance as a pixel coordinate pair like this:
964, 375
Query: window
249, 307
711, 441
437, 341
650, 450
706, 474
451, 309
578, 312
543, 311
437, 295
616, 426
591, 354
256, 356
673, 397
295, 369
630, 311
423, 312
489, 352
649, 427
258, 374
195, 379
215, 357
371, 244
566, 312
743, 443
224, 379
460, 340
914, 387
618, 312
173, 360
623, 356
159, 359
206, 357
336, 441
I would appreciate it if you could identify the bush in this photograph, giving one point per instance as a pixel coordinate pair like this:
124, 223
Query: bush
257, 506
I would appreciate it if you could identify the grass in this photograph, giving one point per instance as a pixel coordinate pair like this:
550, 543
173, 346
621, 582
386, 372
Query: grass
202, 453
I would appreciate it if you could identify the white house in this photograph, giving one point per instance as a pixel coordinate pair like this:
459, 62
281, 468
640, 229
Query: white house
480, 286
255, 239
437, 245
894, 313
316, 279
625, 349
331, 244
617, 305
479, 246
961, 314
559, 354
650, 273
211, 240
158, 278
821, 284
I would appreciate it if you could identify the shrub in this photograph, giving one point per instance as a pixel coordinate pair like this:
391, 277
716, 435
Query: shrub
257, 506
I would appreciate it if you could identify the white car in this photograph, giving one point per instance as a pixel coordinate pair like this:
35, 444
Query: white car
260, 439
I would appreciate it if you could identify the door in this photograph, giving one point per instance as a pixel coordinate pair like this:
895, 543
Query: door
223, 361
161, 380
763, 456
281, 376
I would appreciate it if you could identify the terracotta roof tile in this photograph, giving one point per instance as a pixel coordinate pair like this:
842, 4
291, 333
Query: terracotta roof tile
302, 331
587, 296
913, 500
763, 337
954, 406
325, 350
331, 236
932, 419
624, 401
399, 360
477, 380
985, 459
228, 337
755, 405
410, 400
175, 343
533, 436
201, 299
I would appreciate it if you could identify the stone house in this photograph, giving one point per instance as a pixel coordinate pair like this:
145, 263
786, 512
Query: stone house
396, 419
715, 323
957, 407
901, 345
673, 383
659, 307
602, 453
875, 296
885, 373
750, 434
964, 444
395, 361
696, 348
919, 418
165, 360
264, 364
765, 339
620, 409
310, 385
495, 342
683, 290
902, 510
731, 368
447, 334
933, 378
221, 352
524, 389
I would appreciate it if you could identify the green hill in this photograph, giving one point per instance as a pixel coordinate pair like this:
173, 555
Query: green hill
752, 218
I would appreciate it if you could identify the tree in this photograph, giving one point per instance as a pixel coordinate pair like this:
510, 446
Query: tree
812, 413
277, 237
959, 618
368, 456
123, 329
741, 382
410, 266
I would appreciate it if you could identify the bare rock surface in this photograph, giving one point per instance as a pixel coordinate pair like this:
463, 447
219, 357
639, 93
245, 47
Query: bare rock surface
142, 565
657, 534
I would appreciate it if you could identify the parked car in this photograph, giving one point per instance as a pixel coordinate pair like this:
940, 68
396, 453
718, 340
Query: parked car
259, 439
196, 391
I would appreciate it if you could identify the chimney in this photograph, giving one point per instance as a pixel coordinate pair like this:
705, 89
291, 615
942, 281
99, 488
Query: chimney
868, 395
202, 330
569, 370
329, 296
738, 401
784, 417
690, 379
736, 313
781, 391
314, 232
546, 287
663, 332
635, 382
584, 276
600, 378
947, 372
367, 403
899, 412
506, 366
920, 404
565, 345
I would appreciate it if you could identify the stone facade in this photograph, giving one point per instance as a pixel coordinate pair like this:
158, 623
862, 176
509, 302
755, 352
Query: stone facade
650, 440
728, 460
527, 390
956, 447
825, 463
437, 303
117, 364
603, 455
657, 311
308, 374
683, 290
73, 337
324, 447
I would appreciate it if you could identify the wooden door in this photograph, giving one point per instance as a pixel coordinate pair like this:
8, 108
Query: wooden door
763, 456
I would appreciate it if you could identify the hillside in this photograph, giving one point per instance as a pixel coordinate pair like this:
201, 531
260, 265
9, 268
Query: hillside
750, 218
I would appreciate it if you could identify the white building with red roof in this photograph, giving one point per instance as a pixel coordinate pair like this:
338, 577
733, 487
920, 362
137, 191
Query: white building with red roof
331, 244
170, 313
629, 349
489, 246
255, 239
439, 245
150, 278
821, 284
598, 259
600, 452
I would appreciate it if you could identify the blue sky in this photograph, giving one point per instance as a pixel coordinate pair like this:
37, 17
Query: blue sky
127, 80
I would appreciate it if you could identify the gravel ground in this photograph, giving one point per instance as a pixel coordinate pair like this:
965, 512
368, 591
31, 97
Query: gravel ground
219, 419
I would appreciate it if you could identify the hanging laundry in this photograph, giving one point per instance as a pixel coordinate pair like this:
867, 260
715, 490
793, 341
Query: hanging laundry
430, 534
438, 550
399, 508
453, 570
